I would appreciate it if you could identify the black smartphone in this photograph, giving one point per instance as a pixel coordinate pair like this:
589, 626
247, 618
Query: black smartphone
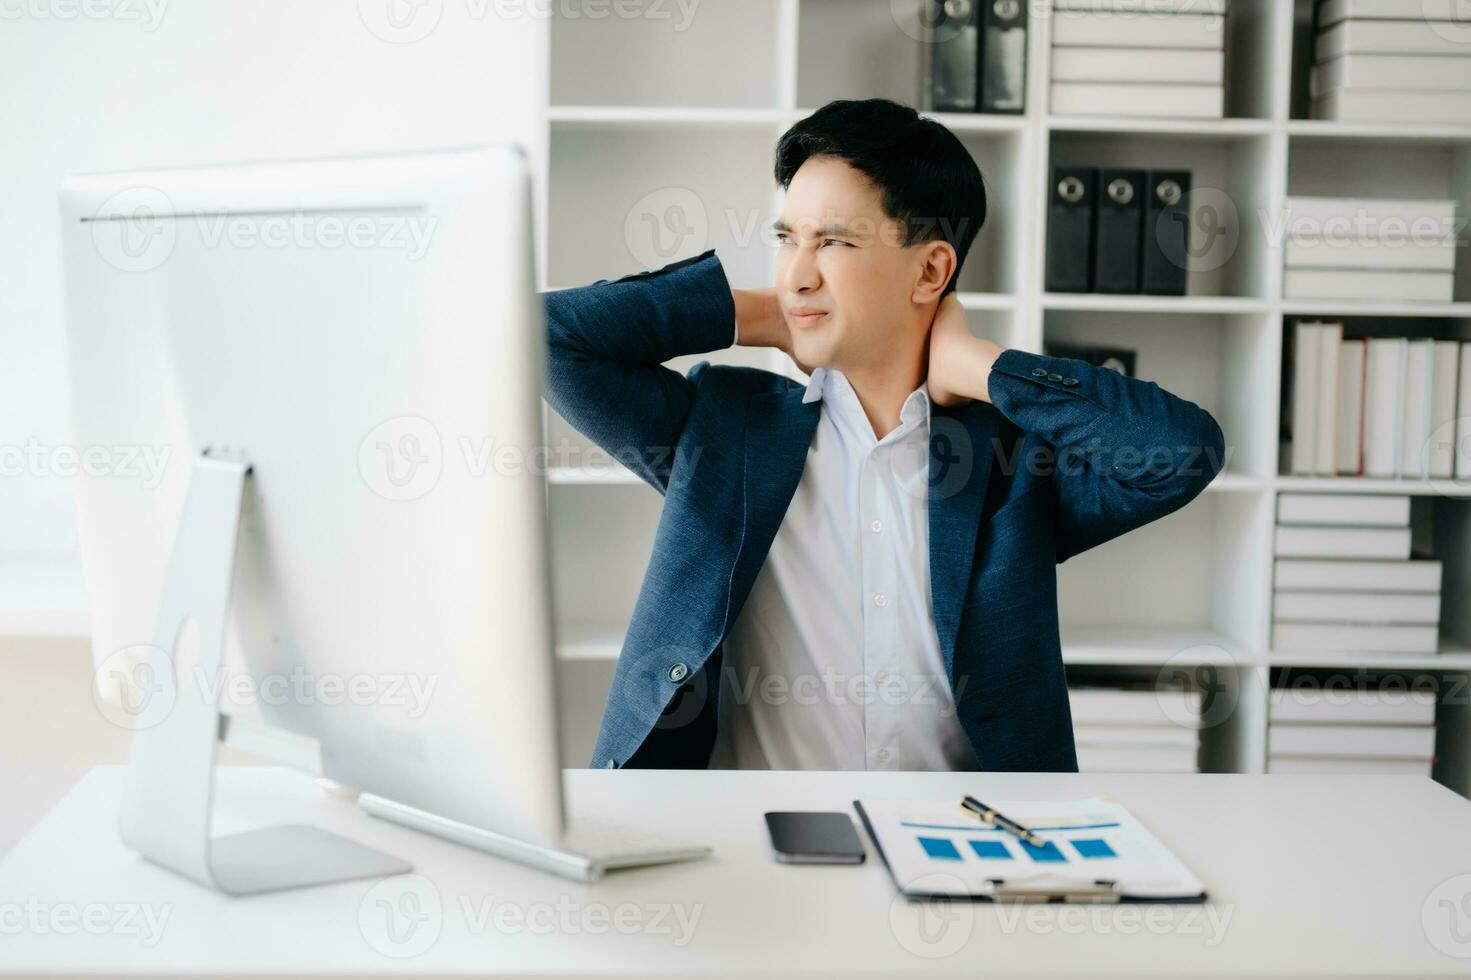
814, 838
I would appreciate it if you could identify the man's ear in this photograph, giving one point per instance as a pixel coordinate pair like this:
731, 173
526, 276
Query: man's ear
937, 264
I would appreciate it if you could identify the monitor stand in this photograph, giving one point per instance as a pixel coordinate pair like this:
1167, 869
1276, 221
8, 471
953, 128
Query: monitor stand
169, 786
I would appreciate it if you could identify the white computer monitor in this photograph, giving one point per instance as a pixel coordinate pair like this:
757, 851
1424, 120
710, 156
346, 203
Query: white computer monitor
364, 335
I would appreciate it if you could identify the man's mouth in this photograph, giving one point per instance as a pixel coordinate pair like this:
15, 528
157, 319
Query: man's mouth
804, 316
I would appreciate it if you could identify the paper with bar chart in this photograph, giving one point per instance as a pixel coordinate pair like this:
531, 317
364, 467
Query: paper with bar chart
940, 848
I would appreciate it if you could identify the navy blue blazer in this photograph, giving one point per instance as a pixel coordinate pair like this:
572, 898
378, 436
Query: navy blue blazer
1064, 457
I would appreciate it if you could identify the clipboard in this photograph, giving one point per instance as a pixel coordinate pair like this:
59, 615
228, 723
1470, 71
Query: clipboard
1094, 852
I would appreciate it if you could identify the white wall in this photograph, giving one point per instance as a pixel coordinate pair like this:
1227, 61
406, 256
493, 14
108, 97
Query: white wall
95, 85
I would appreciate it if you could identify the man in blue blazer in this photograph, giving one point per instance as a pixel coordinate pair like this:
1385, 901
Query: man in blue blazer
859, 572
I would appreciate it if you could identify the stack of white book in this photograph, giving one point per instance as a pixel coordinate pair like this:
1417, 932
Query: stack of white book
1139, 58
1370, 249
1379, 407
1136, 729
1351, 730
1391, 60
1344, 580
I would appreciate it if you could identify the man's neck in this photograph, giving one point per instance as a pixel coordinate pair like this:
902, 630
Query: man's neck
882, 388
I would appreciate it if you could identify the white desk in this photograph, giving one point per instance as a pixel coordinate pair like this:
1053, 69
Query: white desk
1305, 876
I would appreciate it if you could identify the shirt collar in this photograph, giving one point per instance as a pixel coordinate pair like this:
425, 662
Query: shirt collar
909, 414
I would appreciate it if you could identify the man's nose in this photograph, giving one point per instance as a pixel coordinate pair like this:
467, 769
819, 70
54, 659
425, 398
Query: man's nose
801, 275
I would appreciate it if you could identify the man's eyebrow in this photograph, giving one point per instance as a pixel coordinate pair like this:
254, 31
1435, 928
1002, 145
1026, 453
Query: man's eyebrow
839, 229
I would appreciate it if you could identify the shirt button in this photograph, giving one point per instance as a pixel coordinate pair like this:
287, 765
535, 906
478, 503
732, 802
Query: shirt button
877, 526
678, 673
1039, 372
1054, 378
880, 600
883, 755
1069, 382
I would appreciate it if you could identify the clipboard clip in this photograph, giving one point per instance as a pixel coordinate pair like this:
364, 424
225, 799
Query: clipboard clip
1055, 890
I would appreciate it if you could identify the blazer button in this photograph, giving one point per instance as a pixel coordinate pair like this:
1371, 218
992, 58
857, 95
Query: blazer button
678, 673
1069, 382
1054, 378
1039, 372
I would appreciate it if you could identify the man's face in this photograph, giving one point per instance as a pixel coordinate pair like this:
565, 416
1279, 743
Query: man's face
844, 278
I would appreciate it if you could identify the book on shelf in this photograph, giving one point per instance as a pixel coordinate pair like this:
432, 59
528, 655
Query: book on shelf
1360, 36
1377, 510
1393, 105
1440, 450
1305, 367
1463, 419
1348, 431
1390, 71
1330, 340
1136, 736
1355, 638
1364, 705
1114, 758
1092, 27
1306, 215
1191, 66
1330, 12
1413, 575
1357, 607
1415, 416
1361, 741
1348, 765
1401, 252
1138, 99
1108, 706
1368, 284
1384, 378
1343, 542
1188, 7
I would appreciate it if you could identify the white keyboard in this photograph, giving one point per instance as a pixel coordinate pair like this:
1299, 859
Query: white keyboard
606, 842
584, 854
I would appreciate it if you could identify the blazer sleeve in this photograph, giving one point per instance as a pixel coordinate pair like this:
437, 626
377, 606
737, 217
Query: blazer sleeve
606, 344
1124, 451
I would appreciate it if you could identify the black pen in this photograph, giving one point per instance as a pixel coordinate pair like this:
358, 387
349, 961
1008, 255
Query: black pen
996, 819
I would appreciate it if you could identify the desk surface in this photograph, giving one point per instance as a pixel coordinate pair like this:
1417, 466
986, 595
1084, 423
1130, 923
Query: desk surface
1305, 879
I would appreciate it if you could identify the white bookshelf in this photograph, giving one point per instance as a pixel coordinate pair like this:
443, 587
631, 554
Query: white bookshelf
638, 108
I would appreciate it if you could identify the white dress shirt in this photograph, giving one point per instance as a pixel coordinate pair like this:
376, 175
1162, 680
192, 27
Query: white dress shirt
834, 662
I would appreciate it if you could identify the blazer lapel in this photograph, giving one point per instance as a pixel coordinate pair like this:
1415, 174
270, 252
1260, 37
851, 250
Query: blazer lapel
961, 452
779, 429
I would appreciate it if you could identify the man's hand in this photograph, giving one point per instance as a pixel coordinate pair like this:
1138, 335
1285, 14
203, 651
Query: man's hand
760, 323
960, 362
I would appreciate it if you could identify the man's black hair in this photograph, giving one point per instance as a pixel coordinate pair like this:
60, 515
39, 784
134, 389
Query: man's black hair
929, 182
